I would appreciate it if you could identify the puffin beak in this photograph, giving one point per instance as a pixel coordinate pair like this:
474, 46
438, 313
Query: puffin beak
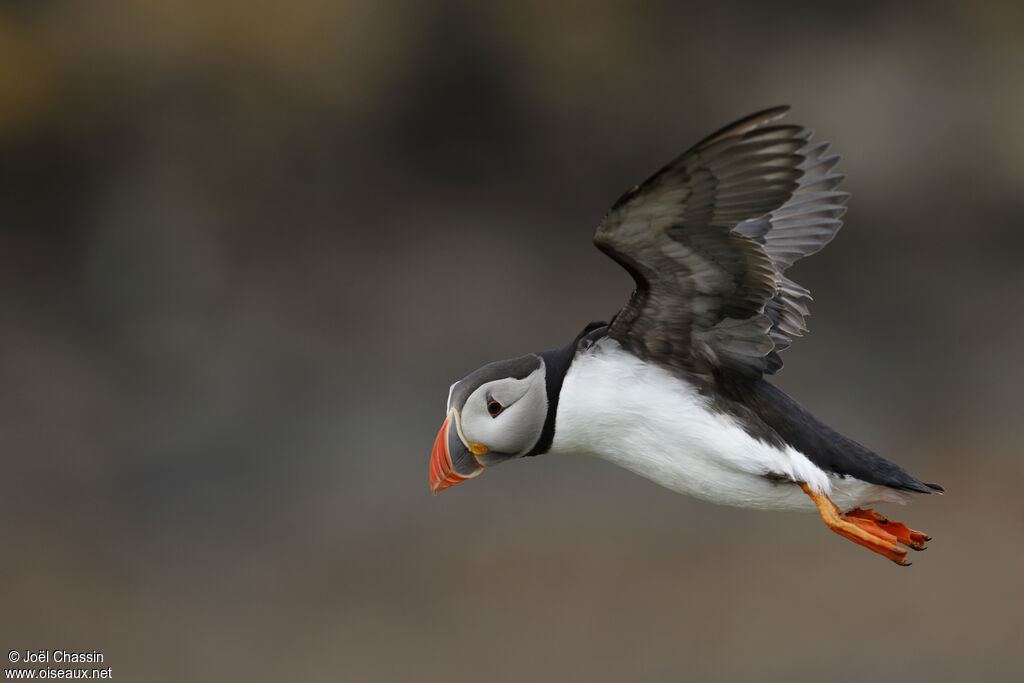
451, 461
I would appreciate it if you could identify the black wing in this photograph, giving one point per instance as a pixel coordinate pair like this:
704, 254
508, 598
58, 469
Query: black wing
707, 240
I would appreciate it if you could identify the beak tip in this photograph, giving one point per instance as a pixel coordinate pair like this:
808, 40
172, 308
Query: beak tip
441, 483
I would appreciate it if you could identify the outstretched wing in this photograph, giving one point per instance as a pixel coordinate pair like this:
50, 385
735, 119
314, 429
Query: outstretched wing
708, 239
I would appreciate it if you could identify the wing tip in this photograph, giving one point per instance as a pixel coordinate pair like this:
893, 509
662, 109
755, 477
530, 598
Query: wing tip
747, 123
778, 111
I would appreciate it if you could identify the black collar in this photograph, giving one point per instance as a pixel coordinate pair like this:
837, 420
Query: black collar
556, 365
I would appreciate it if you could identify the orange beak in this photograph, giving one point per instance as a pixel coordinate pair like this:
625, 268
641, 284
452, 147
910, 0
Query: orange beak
443, 471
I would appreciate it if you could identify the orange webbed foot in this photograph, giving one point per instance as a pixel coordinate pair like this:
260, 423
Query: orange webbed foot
869, 529
915, 540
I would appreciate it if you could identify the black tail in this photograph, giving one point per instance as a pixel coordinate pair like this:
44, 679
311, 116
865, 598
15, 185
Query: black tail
825, 447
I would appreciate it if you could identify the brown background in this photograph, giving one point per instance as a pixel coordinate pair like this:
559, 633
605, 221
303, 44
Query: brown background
246, 247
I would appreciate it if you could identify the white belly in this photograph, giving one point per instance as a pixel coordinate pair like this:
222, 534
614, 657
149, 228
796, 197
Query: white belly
642, 418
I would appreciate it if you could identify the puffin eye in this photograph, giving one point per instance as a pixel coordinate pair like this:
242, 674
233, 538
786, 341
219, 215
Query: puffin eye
494, 408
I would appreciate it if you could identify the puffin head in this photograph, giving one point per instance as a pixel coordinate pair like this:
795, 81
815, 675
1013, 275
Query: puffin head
495, 414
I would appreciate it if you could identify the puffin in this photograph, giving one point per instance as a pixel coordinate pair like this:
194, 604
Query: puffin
675, 386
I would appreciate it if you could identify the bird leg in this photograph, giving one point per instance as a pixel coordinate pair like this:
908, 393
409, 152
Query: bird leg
868, 528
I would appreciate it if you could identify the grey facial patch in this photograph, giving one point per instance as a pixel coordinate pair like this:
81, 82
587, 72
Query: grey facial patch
513, 430
515, 368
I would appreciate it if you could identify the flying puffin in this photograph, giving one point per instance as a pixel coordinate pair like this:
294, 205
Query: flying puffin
674, 388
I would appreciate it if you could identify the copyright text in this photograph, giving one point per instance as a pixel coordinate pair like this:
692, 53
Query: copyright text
54, 665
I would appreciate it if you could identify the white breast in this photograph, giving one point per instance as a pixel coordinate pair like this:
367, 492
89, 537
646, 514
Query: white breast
641, 417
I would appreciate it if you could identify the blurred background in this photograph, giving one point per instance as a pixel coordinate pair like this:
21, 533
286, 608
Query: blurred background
246, 247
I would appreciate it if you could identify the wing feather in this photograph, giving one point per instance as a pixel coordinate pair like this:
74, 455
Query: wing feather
708, 239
